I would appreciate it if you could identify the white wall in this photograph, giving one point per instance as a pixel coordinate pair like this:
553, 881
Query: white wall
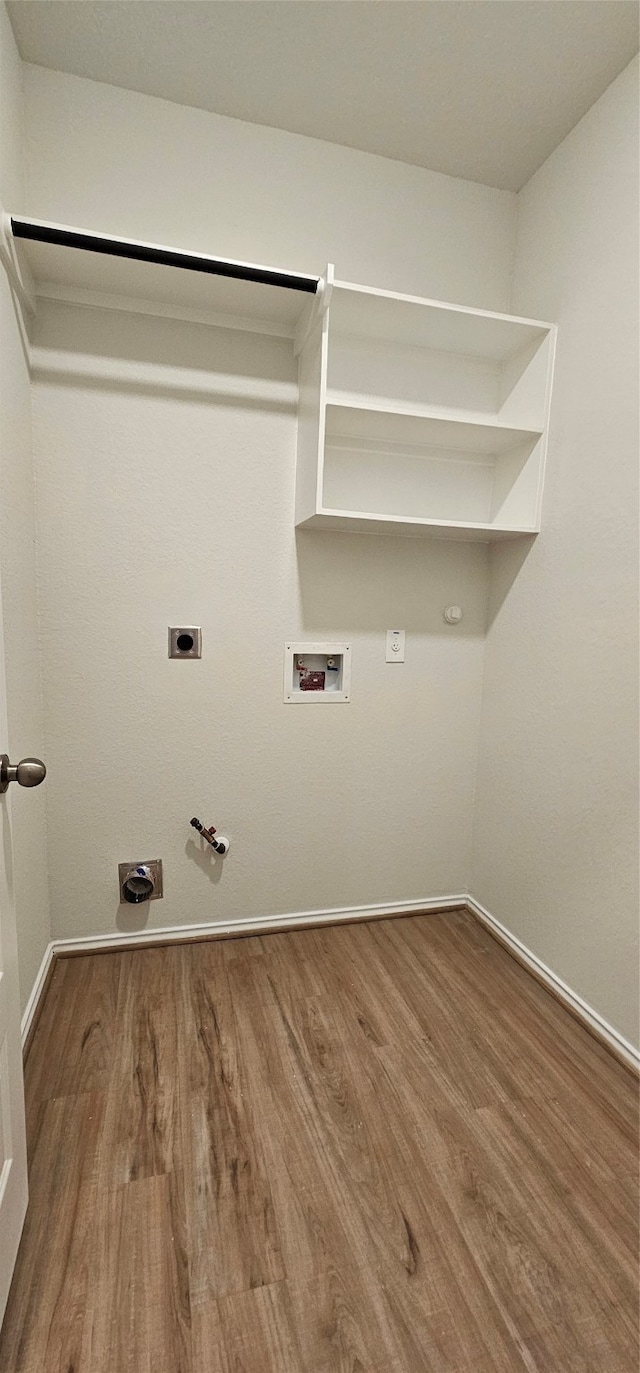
104, 158
167, 497
556, 829
17, 558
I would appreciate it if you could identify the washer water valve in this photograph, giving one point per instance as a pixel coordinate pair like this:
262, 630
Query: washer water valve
221, 844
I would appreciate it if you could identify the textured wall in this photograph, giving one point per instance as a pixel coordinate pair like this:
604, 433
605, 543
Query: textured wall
557, 805
111, 159
196, 435
17, 559
166, 497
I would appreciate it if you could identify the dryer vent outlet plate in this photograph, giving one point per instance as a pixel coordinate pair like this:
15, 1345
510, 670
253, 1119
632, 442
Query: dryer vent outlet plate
140, 881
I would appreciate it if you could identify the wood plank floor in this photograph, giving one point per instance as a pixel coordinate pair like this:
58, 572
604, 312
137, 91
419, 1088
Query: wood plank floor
376, 1148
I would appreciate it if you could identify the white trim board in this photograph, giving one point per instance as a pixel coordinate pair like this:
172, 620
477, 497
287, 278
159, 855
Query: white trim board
223, 929
581, 1008
256, 924
36, 992
299, 919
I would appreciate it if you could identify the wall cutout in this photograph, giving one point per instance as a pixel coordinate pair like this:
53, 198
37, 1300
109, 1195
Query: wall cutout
317, 672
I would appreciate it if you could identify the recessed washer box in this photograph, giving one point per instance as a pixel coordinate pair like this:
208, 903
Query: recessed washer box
317, 672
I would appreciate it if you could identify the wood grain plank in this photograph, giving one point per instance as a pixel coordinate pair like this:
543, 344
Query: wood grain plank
306, 1104
350, 1160
324, 1326
249, 1332
526, 1018
234, 1243
603, 1202
138, 1136
425, 1001
79, 1013
522, 1237
140, 1316
438, 1302
43, 1326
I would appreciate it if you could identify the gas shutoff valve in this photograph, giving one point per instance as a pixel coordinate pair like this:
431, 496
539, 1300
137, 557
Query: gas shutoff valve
221, 844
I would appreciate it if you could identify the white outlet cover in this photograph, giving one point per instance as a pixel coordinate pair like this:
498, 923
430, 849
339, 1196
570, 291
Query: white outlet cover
395, 646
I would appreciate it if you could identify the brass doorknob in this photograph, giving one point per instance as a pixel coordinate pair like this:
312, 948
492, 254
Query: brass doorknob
29, 772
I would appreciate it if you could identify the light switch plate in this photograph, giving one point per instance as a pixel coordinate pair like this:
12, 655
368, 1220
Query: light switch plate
395, 646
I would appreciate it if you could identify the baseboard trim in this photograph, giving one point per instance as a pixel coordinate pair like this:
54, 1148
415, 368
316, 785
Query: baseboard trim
251, 925
620, 1047
36, 1000
230, 929
625, 1052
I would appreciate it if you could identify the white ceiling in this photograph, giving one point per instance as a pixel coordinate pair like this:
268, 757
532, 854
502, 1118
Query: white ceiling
483, 89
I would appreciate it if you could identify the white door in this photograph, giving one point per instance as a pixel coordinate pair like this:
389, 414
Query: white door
13, 1150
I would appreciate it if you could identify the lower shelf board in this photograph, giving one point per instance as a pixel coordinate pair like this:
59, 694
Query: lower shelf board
350, 521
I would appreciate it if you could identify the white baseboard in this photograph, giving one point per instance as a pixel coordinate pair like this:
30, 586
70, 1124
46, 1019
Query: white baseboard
616, 1042
263, 924
221, 929
36, 992
256, 924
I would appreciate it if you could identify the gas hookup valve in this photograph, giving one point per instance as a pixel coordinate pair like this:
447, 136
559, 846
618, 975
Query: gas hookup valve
220, 844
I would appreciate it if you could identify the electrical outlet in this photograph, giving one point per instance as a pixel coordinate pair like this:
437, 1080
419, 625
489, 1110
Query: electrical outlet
395, 646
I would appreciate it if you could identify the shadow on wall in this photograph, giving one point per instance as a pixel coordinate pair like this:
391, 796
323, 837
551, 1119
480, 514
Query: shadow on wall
132, 919
364, 582
373, 582
203, 855
506, 561
147, 355
260, 402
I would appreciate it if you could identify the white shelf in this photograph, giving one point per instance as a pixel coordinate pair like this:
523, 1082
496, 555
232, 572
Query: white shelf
414, 321
422, 418
60, 272
415, 416
366, 522
343, 400
419, 428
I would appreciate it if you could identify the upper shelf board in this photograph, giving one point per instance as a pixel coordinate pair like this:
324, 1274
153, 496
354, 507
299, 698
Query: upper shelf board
176, 286
172, 287
413, 321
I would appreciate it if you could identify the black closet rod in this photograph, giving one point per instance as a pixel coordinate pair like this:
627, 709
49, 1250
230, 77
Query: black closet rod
166, 257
